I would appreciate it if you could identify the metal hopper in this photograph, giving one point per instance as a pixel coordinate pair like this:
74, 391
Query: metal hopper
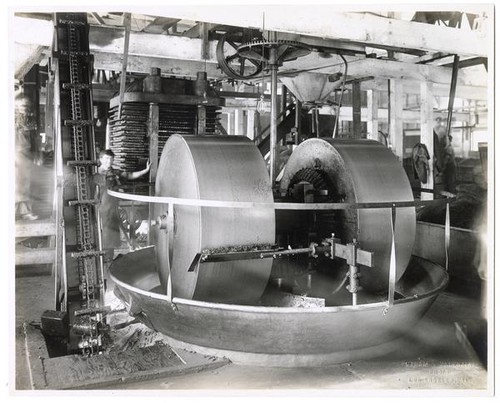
310, 87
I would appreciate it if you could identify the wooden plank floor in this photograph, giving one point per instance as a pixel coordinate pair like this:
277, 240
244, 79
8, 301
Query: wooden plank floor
110, 368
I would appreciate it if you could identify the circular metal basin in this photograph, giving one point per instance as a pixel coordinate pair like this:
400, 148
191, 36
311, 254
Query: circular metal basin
279, 336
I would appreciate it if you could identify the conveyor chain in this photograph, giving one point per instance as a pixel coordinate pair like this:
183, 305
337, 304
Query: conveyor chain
79, 122
83, 202
74, 53
75, 59
74, 86
85, 163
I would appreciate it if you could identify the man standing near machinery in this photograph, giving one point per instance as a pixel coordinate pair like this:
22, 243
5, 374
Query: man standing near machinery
106, 178
444, 159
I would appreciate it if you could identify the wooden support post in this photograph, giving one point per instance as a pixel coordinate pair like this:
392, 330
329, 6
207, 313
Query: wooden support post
251, 124
238, 117
243, 123
283, 99
451, 98
427, 132
339, 119
225, 122
231, 118
153, 126
200, 90
273, 137
356, 110
201, 119
123, 78
205, 45
315, 117
396, 117
372, 116
36, 99
298, 119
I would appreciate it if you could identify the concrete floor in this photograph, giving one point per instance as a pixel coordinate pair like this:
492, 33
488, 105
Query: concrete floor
432, 358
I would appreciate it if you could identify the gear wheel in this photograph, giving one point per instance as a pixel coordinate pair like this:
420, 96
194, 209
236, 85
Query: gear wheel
326, 221
231, 62
260, 50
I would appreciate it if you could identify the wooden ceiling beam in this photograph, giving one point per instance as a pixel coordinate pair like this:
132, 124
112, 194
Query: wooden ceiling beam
325, 22
160, 25
182, 48
193, 32
359, 68
408, 115
143, 64
475, 61
34, 55
431, 58
478, 93
98, 18
189, 68
108, 40
181, 56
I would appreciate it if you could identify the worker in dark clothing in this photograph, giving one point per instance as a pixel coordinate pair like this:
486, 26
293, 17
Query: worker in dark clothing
106, 178
444, 159
421, 157
449, 166
439, 134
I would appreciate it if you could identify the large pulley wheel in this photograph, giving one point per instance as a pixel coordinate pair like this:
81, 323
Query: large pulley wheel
361, 171
231, 62
225, 168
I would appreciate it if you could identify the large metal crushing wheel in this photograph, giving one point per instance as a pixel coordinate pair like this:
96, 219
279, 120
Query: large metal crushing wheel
361, 171
229, 169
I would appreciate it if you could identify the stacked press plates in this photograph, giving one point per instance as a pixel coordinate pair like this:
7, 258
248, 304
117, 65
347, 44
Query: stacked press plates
128, 134
128, 138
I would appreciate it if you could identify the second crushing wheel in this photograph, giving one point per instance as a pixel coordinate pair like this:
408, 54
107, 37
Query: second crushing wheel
360, 171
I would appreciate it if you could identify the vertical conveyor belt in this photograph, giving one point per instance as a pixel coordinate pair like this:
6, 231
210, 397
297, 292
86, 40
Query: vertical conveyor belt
84, 286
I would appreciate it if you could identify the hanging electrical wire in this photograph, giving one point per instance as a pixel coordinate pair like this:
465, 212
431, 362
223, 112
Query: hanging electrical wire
295, 72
